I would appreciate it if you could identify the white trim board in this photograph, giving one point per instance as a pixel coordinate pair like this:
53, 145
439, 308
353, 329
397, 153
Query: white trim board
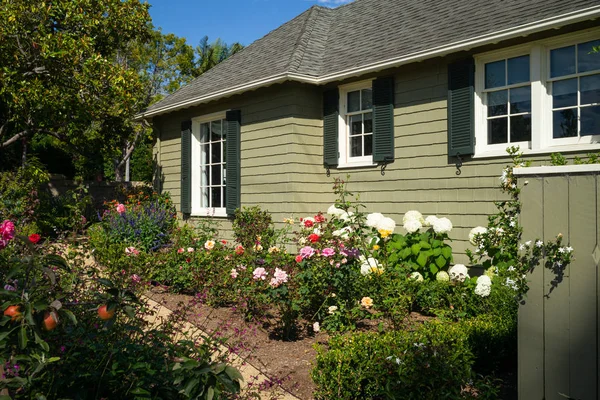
556, 169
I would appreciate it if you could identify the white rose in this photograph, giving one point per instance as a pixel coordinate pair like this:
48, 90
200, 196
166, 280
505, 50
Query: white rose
343, 233
346, 216
478, 230
373, 219
368, 265
442, 225
458, 273
332, 309
413, 214
412, 225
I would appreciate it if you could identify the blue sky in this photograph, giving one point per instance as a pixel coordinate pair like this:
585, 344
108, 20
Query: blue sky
241, 21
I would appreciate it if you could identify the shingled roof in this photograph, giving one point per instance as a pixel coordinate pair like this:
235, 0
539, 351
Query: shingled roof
323, 44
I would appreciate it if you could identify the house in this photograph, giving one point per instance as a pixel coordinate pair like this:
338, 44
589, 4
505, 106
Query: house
415, 100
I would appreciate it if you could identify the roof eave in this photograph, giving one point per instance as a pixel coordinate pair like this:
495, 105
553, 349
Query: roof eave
521, 30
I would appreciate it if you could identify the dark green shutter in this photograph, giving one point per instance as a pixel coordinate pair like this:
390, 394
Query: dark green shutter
461, 102
383, 120
186, 167
331, 113
233, 177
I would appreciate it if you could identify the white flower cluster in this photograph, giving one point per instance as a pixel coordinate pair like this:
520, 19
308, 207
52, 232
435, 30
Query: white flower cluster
484, 286
334, 211
475, 234
416, 276
458, 273
384, 225
442, 276
413, 221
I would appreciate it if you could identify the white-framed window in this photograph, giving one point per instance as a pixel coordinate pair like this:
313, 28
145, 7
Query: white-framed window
356, 125
543, 96
209, 165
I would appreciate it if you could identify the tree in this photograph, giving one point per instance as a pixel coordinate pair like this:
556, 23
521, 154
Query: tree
58, 75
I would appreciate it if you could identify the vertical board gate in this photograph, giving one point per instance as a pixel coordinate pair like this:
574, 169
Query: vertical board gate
559, 321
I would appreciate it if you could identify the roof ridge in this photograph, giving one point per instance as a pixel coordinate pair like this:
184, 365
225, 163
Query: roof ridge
302, 42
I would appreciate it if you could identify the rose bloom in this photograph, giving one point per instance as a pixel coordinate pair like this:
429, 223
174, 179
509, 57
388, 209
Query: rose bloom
307, 252
209, 245
316, 327
234, 273
298, 258
34, 238
180, 250
313, 237
239, 249
328, 252
223, 241
319, 218
120, 208
366, 302
190, 249
7, 230
308, 222
259, 274
136, 278
332, 309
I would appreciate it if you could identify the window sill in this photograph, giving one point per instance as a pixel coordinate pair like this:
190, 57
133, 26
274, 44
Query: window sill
209, 212
546, 150
356, 165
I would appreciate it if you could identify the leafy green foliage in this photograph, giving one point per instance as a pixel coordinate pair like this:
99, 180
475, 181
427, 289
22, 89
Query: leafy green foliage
253, 226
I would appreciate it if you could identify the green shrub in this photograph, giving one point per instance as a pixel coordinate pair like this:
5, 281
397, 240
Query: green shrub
253, 226
432, 362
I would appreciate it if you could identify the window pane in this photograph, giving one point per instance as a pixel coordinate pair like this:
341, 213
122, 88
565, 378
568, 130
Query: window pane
354, 101
203, 133
356, 146
520, 100
368, 119
590, 89
495, 75
562, 61
215, 127
520, 128
216, 175
204, 177
368, 145
215, 196
367, 99
586, 60
564, 93
564, 123
356, 124
216, 152
518, 69
590, 121
205, 152
497, 103
204, 197
498, 130
224, 145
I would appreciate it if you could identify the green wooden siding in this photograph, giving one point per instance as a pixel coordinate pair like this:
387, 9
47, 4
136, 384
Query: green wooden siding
558, 327
282, 155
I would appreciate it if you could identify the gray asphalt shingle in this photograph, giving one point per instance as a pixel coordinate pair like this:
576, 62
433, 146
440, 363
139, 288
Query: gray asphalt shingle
323, 41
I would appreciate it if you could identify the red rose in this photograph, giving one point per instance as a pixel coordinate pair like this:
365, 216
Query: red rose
319, 218
188, 260
34, 238
239, 249
313, 237
298, 258
224, 241
308, 223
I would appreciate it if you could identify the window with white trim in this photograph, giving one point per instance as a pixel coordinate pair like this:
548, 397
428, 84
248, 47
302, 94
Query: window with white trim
356, 125
542, 97
209, 165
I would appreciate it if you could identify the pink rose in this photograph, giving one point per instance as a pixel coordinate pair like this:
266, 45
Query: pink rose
136, 278
307, 252
234, 273
259, 274
7, 230
327, 252
132, 251
120, 208
180, 250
